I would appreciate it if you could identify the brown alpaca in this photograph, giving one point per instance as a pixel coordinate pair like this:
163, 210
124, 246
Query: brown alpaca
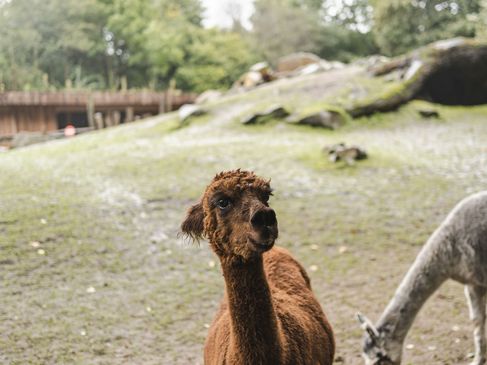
269, 315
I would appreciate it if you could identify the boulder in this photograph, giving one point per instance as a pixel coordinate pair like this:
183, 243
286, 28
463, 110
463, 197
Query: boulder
190, 110
274, 112
428, 113
324, 119
260, 67
372, 61
258, 74
294, 61
265, 70
449, 72
249, 79
208, 96
342, 152
320, 66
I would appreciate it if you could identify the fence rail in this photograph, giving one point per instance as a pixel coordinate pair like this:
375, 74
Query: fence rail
102, 98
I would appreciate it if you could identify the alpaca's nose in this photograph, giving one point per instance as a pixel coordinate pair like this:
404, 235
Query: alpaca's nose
265, 217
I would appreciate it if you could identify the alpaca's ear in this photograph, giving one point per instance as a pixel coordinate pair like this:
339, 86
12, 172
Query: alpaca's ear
368, 327
193, 224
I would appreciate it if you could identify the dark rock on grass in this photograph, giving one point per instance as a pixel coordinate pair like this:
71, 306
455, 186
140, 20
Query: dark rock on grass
274, 112
429, 113
324, 119
342, 152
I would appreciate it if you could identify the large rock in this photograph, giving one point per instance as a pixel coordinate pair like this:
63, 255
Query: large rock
249, 80
208, 96
371, 62
190, 110
294, 61
451, 72
265, 70
258, 74
342, 152
274, 112
320, 66
324, 119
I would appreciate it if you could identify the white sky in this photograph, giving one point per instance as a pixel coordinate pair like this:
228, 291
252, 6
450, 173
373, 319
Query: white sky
219, 12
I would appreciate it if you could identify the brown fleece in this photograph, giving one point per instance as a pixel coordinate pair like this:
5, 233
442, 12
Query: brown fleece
268, 315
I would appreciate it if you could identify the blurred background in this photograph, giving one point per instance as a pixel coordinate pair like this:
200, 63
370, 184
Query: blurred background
370, 118
200, 45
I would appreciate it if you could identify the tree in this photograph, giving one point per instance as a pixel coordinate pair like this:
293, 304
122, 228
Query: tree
333, 29
164, 40
44, 42
353, 14
345, 33
337, 42
216, 59
279, 28
481, 21
401, 25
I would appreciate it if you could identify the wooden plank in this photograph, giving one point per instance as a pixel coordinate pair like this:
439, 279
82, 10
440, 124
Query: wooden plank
82, 98
36, 111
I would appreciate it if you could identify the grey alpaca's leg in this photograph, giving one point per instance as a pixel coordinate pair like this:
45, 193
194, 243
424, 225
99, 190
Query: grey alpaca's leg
476, 302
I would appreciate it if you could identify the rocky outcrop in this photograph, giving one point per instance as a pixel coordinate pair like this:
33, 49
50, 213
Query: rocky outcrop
297, 60
328, 119
190, 110
258, 74
452, 72
274, 112
208, 96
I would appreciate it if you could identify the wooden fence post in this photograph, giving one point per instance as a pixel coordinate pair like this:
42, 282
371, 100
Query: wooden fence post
90, 111
129, 114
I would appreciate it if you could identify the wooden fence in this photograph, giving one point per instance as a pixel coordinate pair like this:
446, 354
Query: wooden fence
48, 111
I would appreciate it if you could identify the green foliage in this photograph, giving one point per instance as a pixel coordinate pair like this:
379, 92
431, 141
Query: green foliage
338, 32
353, 14
114, 44
280, 28
337, 42
51, 37
481, 21
401, 25
97, 44
216, 60
345, 32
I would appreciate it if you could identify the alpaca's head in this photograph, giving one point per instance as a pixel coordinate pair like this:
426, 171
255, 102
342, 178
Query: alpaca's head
234, 215
378, 348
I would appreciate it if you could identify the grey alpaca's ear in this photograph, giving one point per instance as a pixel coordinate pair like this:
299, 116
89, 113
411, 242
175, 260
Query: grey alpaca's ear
193, 224
368, 327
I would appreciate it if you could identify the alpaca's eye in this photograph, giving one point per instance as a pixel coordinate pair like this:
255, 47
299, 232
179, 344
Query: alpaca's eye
223, 203
266, 197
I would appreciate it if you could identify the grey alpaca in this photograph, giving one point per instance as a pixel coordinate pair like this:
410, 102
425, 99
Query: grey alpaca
457, 250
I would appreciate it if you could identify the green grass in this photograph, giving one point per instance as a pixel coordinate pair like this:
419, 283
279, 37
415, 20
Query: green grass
106, 208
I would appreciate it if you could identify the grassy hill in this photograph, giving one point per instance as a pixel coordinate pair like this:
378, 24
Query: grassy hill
92, 270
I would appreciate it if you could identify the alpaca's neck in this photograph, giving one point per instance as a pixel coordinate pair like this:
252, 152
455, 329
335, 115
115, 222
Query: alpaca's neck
254, 326
428, 272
